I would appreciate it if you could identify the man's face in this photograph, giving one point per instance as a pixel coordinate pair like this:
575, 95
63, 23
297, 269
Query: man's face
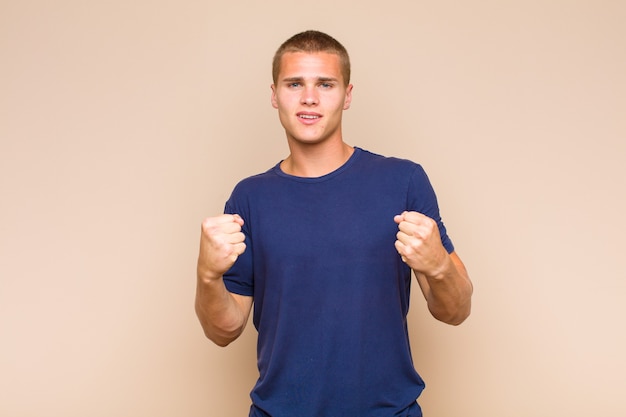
310, 95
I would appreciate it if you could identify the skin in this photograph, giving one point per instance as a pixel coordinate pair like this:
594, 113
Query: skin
222, 314
310, 96
442, 277
311, 85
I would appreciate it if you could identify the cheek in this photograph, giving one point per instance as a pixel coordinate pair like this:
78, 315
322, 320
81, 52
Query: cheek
284, 119
276, 101
284, 102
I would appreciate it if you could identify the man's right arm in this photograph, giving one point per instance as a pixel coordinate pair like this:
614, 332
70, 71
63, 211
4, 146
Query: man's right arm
222, 314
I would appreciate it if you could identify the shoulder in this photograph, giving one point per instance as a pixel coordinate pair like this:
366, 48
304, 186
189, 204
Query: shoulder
250, 189
393, 164
253, 182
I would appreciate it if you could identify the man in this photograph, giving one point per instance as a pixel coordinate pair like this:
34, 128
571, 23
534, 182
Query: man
324, 243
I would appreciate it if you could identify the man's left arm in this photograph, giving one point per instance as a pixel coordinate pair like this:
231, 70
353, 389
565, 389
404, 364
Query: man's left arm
442, 277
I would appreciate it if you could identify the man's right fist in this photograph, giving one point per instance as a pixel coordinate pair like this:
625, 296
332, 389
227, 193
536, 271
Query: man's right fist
221, 243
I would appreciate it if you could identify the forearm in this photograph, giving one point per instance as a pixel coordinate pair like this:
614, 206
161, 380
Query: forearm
449, 292
222, 315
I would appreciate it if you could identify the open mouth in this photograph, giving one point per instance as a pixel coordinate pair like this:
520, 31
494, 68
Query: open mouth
309, 116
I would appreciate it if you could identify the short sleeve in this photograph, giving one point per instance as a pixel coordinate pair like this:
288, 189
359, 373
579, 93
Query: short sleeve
422, 198
239, 279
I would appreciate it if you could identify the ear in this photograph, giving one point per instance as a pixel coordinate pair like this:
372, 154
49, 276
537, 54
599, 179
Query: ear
274, 101
348, 99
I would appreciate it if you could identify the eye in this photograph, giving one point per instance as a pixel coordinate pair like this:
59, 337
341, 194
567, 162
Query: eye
326, 85
293, 85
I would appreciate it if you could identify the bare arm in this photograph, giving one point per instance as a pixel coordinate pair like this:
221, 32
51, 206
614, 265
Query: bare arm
442, 277
222, 314
449, 294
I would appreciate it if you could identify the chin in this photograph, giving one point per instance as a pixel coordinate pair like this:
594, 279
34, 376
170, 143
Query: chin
309, 141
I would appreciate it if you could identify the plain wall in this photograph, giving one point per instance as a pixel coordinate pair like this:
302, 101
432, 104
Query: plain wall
123, 124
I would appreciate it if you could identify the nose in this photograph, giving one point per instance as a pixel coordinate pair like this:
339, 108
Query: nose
309, 97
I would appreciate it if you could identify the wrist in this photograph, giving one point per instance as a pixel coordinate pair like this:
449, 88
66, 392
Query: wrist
208, 277
442, 269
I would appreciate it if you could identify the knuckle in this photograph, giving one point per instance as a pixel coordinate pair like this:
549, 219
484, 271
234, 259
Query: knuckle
415, 245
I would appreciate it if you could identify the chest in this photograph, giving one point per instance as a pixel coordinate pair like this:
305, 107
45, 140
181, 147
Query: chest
316, 221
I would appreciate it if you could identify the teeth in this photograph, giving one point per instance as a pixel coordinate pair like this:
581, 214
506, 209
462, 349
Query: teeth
308, 116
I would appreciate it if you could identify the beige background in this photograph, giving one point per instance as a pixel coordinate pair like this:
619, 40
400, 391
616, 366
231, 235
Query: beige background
124, 123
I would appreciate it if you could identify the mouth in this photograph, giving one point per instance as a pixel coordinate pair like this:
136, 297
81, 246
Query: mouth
309, 116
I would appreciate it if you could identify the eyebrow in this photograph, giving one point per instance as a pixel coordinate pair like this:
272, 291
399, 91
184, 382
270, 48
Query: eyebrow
300, 79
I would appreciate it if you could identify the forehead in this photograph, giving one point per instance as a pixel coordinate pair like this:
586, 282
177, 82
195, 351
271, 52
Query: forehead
310, 65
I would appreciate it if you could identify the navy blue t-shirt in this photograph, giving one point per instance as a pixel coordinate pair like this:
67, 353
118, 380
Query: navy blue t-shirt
331, 293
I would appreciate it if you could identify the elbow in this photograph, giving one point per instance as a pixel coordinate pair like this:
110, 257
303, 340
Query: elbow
222, 337
452, 320
220, 332
453, 317
458, 320
221, 342
456, 313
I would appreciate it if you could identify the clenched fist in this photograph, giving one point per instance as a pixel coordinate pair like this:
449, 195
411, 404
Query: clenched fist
221, 243
419, 243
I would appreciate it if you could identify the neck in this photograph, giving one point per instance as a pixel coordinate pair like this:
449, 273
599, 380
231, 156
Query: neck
316, 161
